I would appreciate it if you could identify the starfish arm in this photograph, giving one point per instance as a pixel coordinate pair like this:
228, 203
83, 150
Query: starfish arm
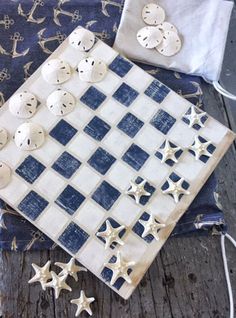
75, 276
156, 236
61, 265
119, 241
115, 276
127, 278
89, 311
176, 197
137, 198
79, 310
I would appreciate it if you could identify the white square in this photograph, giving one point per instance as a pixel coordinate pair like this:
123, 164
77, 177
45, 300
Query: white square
41, 88
52, 221
14, 191
45, 118
82, 146
144, 107
214, 131
71, 55
150, 139
116, 142
89, 216
112, 111
104, 52
138, 79
134, 248
155, 171
188, 167
182, 134
175, 105
86, 179
162, 206
75, 86
49, 152
11, 154
50, 184
126, 211
121, 175
109, 84
80, 116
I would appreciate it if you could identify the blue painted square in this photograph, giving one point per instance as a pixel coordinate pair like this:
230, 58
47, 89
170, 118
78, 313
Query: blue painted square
66, 165
73, 238
93, 98
157, 91
101, 160
70, 200
125, 95
30, 169
211, 148
97, 128
169, 162
120, 66
135, 157
195, 126
106, 195
32, 205
174, 177
114, 224
148, 187
138, 228
130, 125
63, 132
163, 121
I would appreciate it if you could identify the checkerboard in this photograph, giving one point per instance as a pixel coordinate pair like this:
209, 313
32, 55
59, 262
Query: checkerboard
79, 178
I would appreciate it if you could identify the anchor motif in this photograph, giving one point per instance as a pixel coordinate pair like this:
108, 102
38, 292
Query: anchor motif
30, 15
26, 68
36, 236
59, 37
7, 210
4, 75
2, 101
16, 37
7, 22
196, 94
57, 11
105, 3
101, 35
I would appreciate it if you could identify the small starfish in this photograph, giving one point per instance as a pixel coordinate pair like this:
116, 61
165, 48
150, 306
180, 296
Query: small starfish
200, 148
151, 226
111, 234
169, 152
42, 274
70, 269
137, 190
58, 283
83, 303
195, 118
119, 269
176, 189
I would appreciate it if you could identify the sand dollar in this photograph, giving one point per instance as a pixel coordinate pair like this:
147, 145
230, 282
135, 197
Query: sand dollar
170, 45
5, 175
29, 136
149, 37
60, 102
56, 71
92, 70
82, 39
167, 26
3, 137
23, 105
153, 14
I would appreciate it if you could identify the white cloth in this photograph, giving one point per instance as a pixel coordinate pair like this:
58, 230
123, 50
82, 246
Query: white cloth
203, 27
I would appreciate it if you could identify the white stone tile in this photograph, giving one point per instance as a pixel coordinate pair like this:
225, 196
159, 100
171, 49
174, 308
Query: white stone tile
111, 111
116, 142
75, 86
213, 131
162, 206
144, 107
79, 117
86, 179
120, 175
71, 55
126, 211
175, 105
12, 155
109, 84
138, 79
155, 171
44, 118
14, 191
83, 146
102, 50
150, 139
50, 184
134, 248
182, 134
49, 152
41, 88
188, 167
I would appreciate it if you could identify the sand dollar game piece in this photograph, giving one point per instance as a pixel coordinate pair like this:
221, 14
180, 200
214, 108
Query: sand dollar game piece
167, 26
23, 105
29, 136
149, 37
82, 39
5, 175
153, 14
3, 137
60, 102
56, 71
92, 70
170, 45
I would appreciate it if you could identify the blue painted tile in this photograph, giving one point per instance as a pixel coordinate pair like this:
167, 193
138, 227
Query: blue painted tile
93, 98
138, 228
97, 128
32, 205
114, 224
163, 121
174, 177
101, 160
125, 95
120, 66
30, 169
70, 200
106, 195
211, 148
73, 238
135, 157
148, 187
130, 125
63, 132
196, 126
66, 165
157, 91
169, 162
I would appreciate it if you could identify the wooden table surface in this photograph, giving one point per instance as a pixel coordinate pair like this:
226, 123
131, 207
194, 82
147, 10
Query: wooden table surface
185, 281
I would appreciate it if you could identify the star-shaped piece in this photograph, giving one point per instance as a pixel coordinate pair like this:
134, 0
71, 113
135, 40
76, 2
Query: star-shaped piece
137, 190
58, 283
168, 152
42, 274
120, 269
175, 189
111, 234
195, 118
151, 226
83, 303
200, 148
70, 269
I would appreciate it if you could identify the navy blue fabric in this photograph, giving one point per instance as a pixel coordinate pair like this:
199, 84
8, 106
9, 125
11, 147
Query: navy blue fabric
35, 39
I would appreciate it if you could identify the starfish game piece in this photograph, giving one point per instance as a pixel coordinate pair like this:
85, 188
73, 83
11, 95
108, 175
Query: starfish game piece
151, 226
58, 283
137, 190
83, 303
70, 269
42, 274
111, 234
168, 152
200, 148
175, 189
195, 118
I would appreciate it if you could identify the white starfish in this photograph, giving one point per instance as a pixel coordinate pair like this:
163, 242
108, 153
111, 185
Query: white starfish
151, 226
195, 118
119, 269
42, 274
83, 303
58, 283
111, 234
168, 152
70, 269
137, 190
200, 148
176, 189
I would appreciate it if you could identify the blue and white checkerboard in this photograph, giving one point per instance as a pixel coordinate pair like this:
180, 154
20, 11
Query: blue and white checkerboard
78, 179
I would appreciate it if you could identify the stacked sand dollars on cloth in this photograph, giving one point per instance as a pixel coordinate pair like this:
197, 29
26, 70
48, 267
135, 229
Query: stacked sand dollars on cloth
159, 34
107, 155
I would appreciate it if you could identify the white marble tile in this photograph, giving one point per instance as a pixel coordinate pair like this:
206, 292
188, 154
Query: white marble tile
111, 111
101, 50
138, 79
49, 152
116, 142
155, 171
126, 211
188, 167
50, 184
213, 131
182, 134
120, 175
109, 84
14, 191
86, 179
144, 107
175, 105
83, 146
162, 206
148, 138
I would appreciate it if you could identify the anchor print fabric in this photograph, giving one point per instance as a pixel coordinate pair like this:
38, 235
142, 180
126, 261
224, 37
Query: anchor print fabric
30, 30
